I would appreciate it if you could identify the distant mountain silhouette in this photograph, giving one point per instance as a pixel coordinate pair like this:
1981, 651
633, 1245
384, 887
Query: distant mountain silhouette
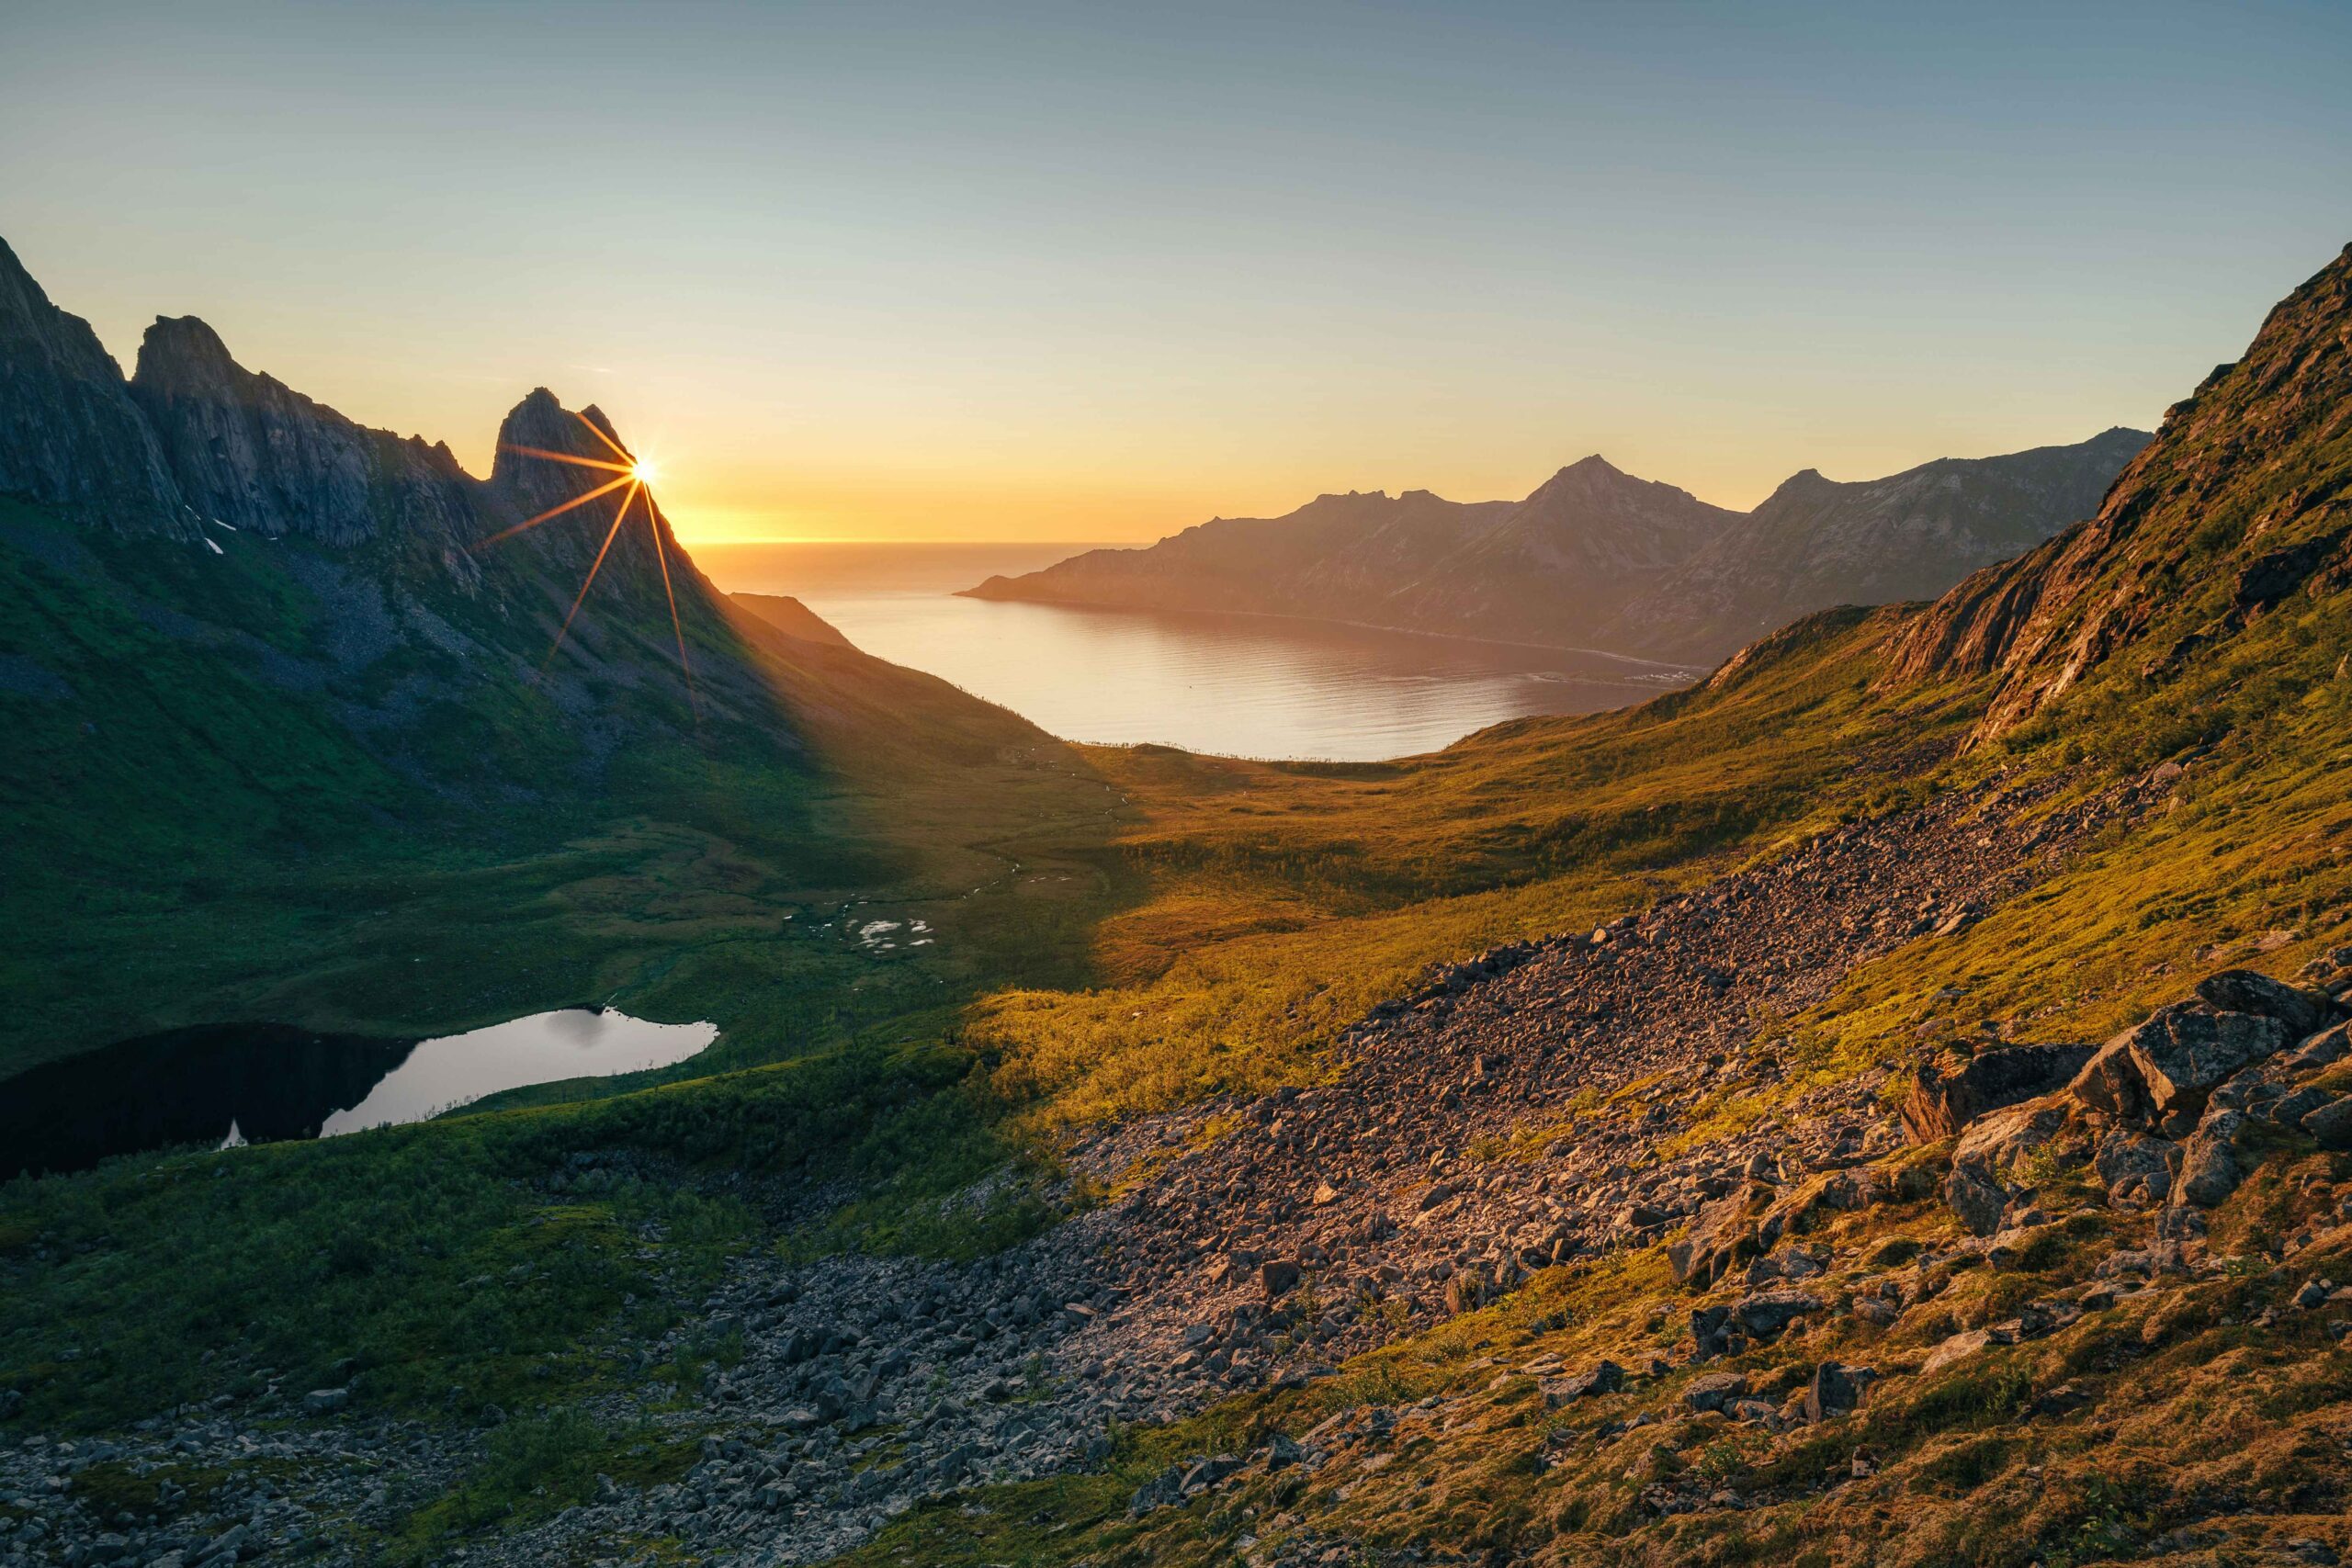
1596, 557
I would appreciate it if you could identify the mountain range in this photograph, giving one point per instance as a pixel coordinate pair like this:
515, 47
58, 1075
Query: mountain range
1886, 1105
1598, 559
296, 666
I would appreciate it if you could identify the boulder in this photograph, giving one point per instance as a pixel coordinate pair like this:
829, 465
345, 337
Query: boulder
1995, 1143
2331, 1123
2164, 1068
1722, 1234
1989, 1154
2324, 1049
1766, 1312
1278, 1275
1837, 1389
1977, 1199
1941, 1103
2289, 1109
1606, 1378
325, 1401
2110, 1084
1714, 1389
2242, 991
2209, 1166
2126, 1160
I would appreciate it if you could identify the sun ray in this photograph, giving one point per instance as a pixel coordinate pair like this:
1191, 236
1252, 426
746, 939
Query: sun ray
594, 567
582, 500
568, 457
662, 554
594, 431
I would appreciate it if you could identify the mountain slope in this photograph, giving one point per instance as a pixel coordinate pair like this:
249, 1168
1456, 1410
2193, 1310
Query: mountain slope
313, 728
1598, 559
2243, 506
790, 616
1815, 543
1669, 1137
1333, 558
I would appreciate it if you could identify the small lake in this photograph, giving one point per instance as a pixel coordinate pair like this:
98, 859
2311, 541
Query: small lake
238, 1083
1239, 685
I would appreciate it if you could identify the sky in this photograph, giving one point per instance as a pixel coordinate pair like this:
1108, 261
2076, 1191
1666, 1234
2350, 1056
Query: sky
1099, 271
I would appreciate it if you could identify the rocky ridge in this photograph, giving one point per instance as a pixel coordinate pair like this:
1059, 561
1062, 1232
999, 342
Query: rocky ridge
2239, 505
70, 435
1598, 559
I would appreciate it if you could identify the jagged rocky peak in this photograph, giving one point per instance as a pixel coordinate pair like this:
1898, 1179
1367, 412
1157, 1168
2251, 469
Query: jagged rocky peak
541, 423
69, 434
526, 483
250, 451
1806, 484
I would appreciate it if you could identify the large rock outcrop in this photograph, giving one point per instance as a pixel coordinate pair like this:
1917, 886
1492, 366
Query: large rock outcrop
2171, 1109
250, 451
69, 434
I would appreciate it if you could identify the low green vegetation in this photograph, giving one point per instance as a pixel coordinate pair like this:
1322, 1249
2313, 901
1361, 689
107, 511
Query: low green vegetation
1119, 930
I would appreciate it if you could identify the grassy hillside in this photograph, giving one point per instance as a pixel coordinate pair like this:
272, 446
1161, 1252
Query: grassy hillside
1129, 930
2195, 630
212, 819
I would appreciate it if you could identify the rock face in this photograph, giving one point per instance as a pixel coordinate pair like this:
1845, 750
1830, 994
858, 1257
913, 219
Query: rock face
248, 451
2168, 1111
1599, 559
2148, 572
524, 483
1941, 1103
2162, 1070
69, 434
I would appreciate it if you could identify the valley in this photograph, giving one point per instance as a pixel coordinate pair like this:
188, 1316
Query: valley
1679, 1132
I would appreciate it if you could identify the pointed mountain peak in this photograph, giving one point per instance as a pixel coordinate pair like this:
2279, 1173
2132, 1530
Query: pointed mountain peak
1594, 466
20, 293
176, 342
541, 422
1804, 484
69, 434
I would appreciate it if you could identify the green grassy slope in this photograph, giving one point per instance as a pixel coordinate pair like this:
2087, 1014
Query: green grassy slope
211, 820
2200, 621
1178, 925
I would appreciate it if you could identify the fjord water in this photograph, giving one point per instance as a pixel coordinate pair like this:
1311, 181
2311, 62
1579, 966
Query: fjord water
1238, 685
262, 1082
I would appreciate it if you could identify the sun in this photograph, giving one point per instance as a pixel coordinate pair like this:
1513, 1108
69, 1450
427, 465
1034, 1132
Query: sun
636, 474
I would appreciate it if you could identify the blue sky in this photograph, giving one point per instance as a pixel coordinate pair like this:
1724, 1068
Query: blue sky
1100, 271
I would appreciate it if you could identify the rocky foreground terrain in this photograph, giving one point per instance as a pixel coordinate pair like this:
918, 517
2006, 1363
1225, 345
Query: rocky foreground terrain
1543, 1109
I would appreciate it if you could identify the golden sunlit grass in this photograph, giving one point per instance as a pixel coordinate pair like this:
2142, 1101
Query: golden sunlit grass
635, 475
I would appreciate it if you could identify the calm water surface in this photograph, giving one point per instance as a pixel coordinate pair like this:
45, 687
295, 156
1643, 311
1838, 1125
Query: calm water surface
1241, 685
235, 1083
574, 1042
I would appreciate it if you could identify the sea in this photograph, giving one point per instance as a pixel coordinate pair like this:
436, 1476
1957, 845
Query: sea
1240, 685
